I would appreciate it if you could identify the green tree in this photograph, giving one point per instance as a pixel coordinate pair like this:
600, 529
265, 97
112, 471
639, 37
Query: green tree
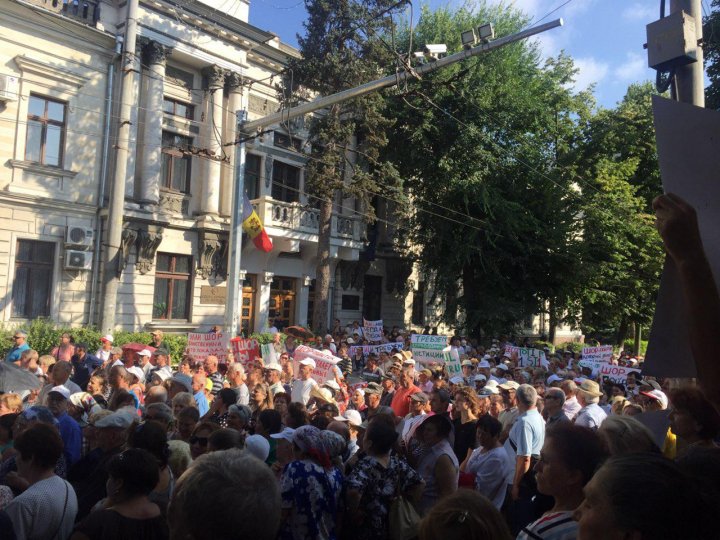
341, 49
490, 139
711, 49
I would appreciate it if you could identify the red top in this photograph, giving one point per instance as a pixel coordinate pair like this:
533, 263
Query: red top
400, 403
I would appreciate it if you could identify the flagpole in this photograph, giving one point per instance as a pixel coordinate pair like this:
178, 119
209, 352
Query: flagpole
233, 301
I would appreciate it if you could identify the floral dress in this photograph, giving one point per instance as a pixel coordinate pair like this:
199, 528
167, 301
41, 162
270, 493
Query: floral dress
312, 495
378, 486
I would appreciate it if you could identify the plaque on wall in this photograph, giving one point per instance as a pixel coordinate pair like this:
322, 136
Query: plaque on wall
213, 295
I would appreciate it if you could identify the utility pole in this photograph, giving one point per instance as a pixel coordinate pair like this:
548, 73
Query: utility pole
232, 313
111, 259
690, 78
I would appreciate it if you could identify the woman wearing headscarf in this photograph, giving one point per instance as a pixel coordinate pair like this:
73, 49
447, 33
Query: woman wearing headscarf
310, 488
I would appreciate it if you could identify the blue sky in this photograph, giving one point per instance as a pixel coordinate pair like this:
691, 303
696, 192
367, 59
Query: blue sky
605, 37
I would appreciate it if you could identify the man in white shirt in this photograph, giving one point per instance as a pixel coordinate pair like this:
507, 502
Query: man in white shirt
105, 350
272, 377
591, 415
571, 407
302, 387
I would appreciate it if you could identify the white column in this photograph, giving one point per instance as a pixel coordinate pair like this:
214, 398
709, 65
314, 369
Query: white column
210, 202
303, 298
234, 89
262, 307
154, 55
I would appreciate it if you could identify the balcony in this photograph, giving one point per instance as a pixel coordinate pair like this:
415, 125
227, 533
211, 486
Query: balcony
84, 11
304, 219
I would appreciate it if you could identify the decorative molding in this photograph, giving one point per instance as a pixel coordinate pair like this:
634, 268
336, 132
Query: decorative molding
39, 168
46, 71
208, 246
154, 52
148, 243
268, 277
262, 106
171, 201
233, 81
268, 171
220, 260
213, 77
128, 239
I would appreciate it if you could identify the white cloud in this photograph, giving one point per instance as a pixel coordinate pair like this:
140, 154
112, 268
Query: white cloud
641, 11
633, 69
590, 71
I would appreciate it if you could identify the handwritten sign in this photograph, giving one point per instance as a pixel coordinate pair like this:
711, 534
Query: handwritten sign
593, 357
246, 351
267, 352
374, 349
324, 363
202, 345
373, 330
616, 374
527, 357
452, 362
428, 348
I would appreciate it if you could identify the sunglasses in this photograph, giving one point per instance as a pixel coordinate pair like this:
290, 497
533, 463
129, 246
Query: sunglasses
202, 441
18, 337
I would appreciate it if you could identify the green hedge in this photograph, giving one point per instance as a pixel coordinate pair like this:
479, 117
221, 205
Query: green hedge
571, 345
44, 335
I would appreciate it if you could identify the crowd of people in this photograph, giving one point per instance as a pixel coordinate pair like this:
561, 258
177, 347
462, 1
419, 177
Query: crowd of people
128, 443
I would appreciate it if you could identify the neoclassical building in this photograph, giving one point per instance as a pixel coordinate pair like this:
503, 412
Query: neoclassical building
198, 62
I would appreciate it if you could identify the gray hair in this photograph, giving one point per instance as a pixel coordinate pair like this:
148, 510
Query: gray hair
527, 395
162, 410
625, 435
556, 393
184, 398
232, 479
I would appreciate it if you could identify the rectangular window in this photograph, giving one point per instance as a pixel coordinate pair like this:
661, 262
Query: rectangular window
175, 163
285, 141
350, 302
286, 182
34, 265
252, 176
172, 297
45, 131
178, 108
418, 305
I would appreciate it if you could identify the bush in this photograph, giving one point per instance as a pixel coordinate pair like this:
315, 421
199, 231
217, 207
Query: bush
573, 346
542, 344
630, 346
264, 339
44, 336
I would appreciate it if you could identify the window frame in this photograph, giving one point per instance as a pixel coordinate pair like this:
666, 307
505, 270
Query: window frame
45, 121
30, 287
282, 185
190, 108
173, 154
172, 276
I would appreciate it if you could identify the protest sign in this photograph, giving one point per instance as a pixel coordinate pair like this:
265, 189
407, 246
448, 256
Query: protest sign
373, 330
527, 357
201, 345
324, 363
593, 357
452, 362
374, 349
246, 351
428, 348
616, 374
267, 352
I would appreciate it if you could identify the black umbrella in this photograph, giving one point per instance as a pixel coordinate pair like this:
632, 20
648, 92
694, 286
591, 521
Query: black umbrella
16, 380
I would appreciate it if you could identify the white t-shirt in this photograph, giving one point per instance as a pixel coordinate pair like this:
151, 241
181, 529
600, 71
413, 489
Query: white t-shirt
491, 470
45, 511
301, 390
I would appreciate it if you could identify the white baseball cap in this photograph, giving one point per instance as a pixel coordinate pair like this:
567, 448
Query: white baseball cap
457, 380
351, 416
139, 373
275, 366
332, 384
480, 377
483, 364
308, 362
107, 337
145, 352
258, 446
409, 361
286, 433
61, 390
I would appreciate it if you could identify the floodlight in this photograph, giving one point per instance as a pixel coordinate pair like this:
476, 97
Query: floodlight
486, 32
468, 38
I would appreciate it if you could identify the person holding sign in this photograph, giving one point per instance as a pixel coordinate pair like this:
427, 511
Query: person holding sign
303, 386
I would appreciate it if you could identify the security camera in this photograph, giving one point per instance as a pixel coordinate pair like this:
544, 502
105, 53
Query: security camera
435, 49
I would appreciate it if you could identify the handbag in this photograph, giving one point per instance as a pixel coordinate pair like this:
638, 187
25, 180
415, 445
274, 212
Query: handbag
403, 519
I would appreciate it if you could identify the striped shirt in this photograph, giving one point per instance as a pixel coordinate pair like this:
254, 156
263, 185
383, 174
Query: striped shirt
551, 526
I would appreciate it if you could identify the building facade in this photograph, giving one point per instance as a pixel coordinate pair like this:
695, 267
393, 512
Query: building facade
197, 64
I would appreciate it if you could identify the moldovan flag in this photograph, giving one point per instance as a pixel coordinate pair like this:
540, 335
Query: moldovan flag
253, 227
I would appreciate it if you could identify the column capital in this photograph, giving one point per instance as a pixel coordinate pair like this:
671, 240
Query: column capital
213, 77
233, 81
154, 52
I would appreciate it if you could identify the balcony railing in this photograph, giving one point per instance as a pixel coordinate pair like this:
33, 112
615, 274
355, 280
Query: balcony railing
86, 11
301, 218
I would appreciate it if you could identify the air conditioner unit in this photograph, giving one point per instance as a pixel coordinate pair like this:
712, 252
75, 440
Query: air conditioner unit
78, 260
79, 236
9, 88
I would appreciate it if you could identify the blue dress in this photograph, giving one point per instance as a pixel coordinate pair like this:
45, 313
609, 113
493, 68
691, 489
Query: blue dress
312, 495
